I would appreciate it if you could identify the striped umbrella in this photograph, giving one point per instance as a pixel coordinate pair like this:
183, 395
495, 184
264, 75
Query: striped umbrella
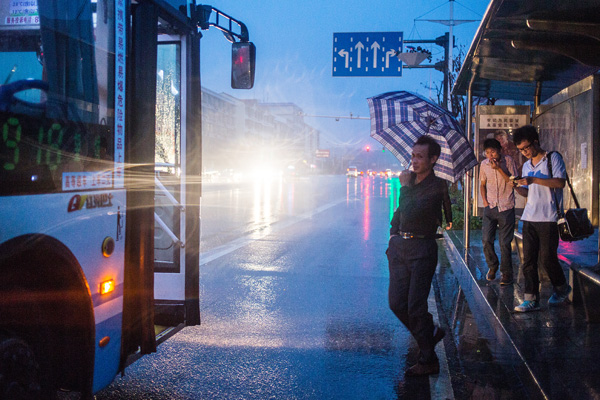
398, 119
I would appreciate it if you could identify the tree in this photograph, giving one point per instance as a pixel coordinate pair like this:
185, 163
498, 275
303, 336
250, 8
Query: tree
459, 103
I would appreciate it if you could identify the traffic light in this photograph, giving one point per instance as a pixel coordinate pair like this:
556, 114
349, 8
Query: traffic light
368, 148
243, 56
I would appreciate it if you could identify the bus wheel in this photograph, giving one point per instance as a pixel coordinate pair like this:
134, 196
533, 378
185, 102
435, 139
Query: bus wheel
19, 378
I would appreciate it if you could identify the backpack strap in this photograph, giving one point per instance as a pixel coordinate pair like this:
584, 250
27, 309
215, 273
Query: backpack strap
549, 155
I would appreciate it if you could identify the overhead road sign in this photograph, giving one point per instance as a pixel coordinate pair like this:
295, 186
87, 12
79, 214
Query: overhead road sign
367, 54
322, 153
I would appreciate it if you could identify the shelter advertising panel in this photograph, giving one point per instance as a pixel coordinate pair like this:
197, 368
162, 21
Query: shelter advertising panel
499, 122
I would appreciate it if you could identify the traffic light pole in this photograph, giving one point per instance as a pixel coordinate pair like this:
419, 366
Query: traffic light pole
442, 66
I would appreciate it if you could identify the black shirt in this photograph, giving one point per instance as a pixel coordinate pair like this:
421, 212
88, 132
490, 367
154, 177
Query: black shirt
420, 206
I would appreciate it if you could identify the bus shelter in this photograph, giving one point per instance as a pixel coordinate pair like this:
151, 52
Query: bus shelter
545, 52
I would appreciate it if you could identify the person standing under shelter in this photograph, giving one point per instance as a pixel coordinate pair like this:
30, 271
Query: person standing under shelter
412, 251
508, 147
540, 231
499, 213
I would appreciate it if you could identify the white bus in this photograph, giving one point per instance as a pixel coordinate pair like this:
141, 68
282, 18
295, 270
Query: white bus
100, 160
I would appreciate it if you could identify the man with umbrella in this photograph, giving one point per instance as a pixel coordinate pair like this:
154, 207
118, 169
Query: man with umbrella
412, 251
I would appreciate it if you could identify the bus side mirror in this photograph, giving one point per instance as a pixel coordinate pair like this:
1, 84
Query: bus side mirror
243, 59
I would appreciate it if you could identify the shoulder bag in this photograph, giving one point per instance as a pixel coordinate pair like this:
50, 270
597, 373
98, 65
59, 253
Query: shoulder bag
573, 224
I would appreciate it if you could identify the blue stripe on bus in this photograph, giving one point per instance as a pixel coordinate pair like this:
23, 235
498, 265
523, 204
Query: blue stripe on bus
106, 364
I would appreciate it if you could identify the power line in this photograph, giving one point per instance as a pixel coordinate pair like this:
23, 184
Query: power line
337, 118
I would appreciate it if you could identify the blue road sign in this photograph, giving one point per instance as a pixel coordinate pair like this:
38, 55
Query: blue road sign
367, 54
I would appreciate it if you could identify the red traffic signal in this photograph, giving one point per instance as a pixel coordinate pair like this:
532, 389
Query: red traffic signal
368, 148
243, 56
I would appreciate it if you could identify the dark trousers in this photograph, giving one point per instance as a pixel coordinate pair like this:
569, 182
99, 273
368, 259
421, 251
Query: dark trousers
504, 222
412, 264
540, 243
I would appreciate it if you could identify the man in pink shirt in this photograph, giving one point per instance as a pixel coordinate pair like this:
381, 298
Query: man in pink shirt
499, 213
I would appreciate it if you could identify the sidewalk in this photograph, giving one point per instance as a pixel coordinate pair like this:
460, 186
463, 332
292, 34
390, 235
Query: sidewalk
555, 351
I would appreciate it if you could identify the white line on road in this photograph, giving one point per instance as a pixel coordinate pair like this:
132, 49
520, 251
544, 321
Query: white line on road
225, 249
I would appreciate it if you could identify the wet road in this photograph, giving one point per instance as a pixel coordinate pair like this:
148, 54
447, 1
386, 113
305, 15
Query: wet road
294, 301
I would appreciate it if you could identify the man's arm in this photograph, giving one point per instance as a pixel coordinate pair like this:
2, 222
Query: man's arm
558, 169
504, 175
496, 166
553, 183
522, 191
447, 204
395, 224
406, 178
483, 191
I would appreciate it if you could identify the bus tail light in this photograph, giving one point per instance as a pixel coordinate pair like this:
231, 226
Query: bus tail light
107, 286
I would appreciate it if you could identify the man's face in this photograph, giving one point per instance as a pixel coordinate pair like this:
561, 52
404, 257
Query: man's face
528, 149
420, 159
492, 154
502, 139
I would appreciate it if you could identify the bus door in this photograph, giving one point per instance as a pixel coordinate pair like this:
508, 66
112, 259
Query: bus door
176, 200
169, 209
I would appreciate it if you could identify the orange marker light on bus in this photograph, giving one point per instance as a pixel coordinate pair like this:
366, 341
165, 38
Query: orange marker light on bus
107, 286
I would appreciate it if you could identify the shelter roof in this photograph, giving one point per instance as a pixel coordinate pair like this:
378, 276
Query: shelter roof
524, 47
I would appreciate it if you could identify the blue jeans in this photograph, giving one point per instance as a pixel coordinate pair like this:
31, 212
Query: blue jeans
505, 223
412, 264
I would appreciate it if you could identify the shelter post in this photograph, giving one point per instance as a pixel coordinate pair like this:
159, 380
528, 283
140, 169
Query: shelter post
467, 180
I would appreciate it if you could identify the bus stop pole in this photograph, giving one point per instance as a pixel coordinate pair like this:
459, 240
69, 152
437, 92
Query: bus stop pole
468, 175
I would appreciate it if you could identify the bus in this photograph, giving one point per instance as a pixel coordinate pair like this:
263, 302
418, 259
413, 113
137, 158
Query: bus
100, 163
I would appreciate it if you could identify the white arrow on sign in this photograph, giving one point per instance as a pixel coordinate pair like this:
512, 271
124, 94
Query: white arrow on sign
375, 46
344, 54
391, 53
359, 47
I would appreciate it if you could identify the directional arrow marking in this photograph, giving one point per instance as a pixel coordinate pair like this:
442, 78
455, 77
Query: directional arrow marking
344, 54
389, 54
359, 48
375, 46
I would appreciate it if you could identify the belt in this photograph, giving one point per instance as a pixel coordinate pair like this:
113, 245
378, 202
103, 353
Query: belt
409, 235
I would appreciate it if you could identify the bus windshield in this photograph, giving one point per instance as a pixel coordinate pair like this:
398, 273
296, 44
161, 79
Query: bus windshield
57, 95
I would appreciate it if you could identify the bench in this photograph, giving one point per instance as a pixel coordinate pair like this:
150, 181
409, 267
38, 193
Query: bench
585, 281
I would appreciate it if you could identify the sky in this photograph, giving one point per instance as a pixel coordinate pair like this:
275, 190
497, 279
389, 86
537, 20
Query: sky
294, 53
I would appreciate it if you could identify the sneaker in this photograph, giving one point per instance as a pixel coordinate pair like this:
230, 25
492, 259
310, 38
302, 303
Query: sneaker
424, 369
559, 298
528, 305
506, 280
491, 275
438, 335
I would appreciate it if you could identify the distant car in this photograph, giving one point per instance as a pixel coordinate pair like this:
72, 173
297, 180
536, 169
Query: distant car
352, 171
370, 172
388, 173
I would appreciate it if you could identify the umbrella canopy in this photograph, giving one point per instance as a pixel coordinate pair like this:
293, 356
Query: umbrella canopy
398, 119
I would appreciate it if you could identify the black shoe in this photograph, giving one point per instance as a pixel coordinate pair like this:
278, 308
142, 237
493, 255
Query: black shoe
424, 369
506, 280
438, 335
491, 275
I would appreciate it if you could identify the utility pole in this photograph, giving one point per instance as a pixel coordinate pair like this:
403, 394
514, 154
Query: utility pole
451, 22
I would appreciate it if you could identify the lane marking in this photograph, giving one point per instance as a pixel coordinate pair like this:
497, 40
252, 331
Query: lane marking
277, 226
440, 386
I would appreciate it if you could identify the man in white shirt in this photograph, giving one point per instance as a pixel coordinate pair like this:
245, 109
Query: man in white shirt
540, 232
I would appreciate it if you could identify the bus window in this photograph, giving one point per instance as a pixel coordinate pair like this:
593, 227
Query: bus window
168, 108
57, 86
